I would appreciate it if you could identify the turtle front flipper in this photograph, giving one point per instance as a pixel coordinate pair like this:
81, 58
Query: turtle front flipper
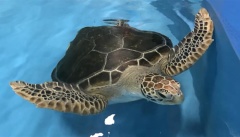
192, 47
60, 96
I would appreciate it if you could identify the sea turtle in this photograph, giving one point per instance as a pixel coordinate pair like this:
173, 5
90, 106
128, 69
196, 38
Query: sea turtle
114, 64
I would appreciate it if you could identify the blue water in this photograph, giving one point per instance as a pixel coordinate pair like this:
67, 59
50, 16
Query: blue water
35, 34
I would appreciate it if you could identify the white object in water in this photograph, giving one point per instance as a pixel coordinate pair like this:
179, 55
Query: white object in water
97, 135
109, 120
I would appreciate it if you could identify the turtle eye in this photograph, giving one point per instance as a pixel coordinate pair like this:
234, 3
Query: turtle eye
167, 96
160, 94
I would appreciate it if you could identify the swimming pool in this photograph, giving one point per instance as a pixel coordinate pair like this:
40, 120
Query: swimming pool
35, 34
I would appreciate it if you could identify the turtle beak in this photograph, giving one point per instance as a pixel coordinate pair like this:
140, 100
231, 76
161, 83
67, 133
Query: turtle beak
178, 99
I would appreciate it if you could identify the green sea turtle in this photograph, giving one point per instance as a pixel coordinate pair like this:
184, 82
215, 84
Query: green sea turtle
113, 64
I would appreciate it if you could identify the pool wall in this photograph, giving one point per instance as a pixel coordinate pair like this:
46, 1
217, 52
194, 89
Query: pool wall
216, 75
227, 12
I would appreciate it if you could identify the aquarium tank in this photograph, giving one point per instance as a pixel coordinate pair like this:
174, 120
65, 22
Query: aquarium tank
34, 36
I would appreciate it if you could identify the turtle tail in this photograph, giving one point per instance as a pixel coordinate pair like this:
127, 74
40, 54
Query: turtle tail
60, 96
192, 47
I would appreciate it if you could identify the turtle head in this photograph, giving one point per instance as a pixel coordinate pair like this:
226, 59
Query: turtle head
161, 89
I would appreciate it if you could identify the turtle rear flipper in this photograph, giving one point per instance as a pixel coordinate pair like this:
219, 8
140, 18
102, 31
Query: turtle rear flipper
60, 96
192, 47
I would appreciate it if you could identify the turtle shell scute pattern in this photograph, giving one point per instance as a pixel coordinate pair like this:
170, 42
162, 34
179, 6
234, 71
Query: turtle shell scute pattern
99, 55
